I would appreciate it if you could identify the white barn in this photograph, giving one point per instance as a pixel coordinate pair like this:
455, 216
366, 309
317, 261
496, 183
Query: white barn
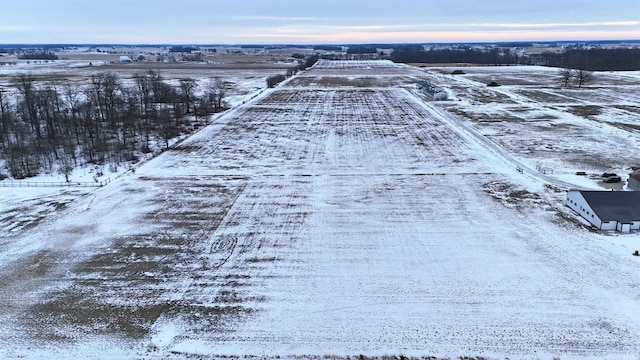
607, 210
436, 92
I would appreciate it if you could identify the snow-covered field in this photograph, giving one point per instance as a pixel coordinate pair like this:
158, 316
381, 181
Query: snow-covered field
342, 214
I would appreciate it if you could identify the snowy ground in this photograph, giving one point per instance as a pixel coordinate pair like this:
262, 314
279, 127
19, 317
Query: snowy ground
340, 214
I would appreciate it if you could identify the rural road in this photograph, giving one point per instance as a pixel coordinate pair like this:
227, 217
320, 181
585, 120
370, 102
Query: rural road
471, 134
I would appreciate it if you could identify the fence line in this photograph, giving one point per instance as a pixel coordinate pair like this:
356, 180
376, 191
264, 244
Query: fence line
53, 184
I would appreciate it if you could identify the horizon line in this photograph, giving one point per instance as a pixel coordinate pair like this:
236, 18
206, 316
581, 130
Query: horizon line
323, 44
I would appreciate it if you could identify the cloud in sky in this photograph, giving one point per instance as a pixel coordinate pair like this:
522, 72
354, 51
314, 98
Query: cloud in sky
320, 21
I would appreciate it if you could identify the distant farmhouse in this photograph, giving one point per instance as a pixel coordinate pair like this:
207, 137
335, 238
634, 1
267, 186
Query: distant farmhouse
433, 91
607, 210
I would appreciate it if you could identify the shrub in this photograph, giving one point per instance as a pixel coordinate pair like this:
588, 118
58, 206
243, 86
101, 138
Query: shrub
275, 80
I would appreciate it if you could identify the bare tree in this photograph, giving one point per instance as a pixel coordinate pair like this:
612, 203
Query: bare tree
187, 87
274, 80
165, 126
5, 119
25, 84
65, 166
72, 99
158, 86
584, 76
105, 90
143, 92
217, 92
567, 74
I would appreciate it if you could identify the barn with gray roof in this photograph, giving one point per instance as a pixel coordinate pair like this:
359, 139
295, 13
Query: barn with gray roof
607, 210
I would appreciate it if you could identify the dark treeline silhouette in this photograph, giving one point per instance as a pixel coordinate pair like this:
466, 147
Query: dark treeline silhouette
327, 48
274, 80
183, 49
515, 44
57, 126
37, 55
582, 59
418, 54
593, 59
362, 50
310, 61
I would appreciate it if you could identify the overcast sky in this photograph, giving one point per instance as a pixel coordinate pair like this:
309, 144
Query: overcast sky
314, 21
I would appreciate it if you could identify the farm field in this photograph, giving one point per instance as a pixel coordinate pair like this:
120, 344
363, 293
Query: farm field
343, 214
244, 78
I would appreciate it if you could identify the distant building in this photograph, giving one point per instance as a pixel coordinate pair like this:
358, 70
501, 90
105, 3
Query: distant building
197, 57
125, 59
607, 210
436, 92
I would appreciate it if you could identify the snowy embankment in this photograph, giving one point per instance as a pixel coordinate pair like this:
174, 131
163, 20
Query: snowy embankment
331, 221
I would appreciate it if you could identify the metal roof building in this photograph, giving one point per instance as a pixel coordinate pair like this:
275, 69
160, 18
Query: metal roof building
634, 181
436, 92
607, 210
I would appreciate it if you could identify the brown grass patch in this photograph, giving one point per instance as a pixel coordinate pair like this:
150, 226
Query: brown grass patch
586, 111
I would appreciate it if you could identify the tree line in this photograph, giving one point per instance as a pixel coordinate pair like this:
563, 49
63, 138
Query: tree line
37, 55
593, 59
362, 50
418, 54
327, 48
57, 126
579, 59
274, 80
